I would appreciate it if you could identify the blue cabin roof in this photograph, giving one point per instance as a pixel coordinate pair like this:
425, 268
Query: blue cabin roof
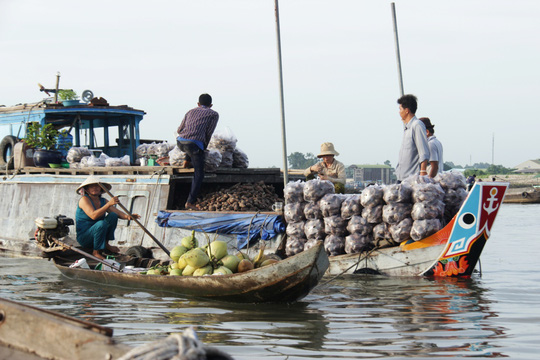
82, 122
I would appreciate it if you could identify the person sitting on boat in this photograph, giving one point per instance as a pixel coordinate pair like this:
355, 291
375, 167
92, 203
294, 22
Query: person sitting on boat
436, 164
194, 134
329, 168
96, 218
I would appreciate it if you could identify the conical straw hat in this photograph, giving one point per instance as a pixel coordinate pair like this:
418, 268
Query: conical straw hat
93, 180
327, 148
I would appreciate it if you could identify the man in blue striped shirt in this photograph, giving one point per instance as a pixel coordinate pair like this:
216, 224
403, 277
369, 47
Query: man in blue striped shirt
194, 134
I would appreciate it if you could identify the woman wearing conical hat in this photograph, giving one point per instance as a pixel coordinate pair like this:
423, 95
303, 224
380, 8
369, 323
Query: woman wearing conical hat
329, 168
96, 218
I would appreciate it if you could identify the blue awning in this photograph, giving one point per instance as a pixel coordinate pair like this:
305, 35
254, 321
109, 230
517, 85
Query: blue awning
259, 226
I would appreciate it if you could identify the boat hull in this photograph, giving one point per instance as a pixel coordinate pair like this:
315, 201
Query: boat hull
286, 281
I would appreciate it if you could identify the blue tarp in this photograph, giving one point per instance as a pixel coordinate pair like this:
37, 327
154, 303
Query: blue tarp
263, 226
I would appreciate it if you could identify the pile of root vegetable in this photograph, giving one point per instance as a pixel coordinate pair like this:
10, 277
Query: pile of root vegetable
192, 259
241, 197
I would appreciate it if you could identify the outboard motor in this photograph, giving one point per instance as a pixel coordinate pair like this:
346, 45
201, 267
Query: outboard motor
52, 228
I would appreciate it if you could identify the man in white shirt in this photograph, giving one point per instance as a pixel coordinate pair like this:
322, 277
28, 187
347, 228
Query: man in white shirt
436, 163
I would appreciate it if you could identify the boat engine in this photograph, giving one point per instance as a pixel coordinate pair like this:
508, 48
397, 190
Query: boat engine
52, 228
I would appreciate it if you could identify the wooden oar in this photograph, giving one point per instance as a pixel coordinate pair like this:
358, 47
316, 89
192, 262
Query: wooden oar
138, 223
63, 244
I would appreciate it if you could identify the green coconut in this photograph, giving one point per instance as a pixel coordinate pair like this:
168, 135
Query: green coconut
196, 258
181, 262
190, 242
176, 272
217, 250
268, 262
231, 262
206, 270
178, 251
188, 270
222, 270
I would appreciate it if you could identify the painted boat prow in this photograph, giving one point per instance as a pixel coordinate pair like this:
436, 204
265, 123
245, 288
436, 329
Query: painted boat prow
470, 229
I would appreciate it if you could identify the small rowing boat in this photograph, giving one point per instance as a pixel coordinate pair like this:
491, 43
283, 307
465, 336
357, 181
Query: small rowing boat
451, 252
287, 280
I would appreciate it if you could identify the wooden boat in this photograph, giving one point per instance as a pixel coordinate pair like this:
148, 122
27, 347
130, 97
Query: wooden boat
287, 280
31, 333
451, 252
523, 196
27, 332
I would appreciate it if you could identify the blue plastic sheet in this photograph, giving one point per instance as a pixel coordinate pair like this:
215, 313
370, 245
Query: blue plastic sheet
260, 226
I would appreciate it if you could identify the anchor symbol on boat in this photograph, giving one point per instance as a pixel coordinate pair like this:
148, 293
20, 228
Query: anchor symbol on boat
492, 199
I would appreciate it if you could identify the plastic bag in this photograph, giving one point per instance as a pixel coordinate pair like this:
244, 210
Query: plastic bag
335, 225
312, 210
359, 225
294, 246
356, 243
423, 228
295, 229
294, 192
212, 160
75, 154
396, 212
314, 229
451, 180
315, 189
402, 230
123, 161
176, 157
400, 193
293, 212
427, 210
330, 204
240, 159
373, 214
311, 243
351, 206
427, 192
372, 196
334, 245
223, 140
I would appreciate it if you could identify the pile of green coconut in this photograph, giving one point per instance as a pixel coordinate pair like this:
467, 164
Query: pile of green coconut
188, 259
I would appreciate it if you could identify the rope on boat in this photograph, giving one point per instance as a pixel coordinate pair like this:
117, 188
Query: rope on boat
360, 258
185, 346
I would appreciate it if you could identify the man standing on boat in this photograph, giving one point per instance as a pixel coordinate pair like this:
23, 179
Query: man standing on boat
414, 152
194, 134
436, 164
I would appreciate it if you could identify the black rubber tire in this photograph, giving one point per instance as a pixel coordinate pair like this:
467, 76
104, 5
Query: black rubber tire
8, 142
139, 252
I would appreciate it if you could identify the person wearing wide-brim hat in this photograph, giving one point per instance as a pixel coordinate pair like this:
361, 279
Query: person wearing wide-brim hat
96, 218
329, 168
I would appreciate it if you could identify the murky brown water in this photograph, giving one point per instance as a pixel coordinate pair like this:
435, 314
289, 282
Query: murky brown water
493, 315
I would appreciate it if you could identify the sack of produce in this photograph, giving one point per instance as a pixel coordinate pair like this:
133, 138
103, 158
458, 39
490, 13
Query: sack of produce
330, 204
397, 193
294, 212
423, 228
122, 161
335, 225
402, 230
455, 197
373, 214
351, 206
334, 245
395, 212
427, 192
381, 232
176, 156
314, 229
141, 150
372, 196
294, 246
294, 192
312, 211
212, 160
427, 210
418, 179
94, 161
240, 159
226, 159
311, 243
223, 140
451, 180
295, 230
315, 189
357, 224
75, 154
356, 243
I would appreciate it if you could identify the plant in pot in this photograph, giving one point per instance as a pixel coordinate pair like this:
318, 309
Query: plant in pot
68, 97
44, 140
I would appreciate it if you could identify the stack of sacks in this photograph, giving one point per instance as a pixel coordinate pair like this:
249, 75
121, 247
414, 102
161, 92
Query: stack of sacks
293, 211
428, 208
359, 229
335, 226
454, 186
225, 143
396, 215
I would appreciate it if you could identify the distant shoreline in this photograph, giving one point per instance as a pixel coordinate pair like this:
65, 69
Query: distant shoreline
516, 181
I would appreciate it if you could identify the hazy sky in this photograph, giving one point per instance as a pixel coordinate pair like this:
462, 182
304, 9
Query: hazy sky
474, 65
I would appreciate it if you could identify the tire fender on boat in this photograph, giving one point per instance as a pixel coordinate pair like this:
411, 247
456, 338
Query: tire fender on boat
525, 194
8, 142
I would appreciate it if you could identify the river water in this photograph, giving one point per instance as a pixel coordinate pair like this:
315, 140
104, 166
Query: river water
495, 314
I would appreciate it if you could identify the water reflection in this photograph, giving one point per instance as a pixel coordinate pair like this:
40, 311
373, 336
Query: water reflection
405, 316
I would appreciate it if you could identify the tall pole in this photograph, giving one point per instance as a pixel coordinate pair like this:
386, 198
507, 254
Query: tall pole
493, 150
398, 57
56, 88
283, 133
